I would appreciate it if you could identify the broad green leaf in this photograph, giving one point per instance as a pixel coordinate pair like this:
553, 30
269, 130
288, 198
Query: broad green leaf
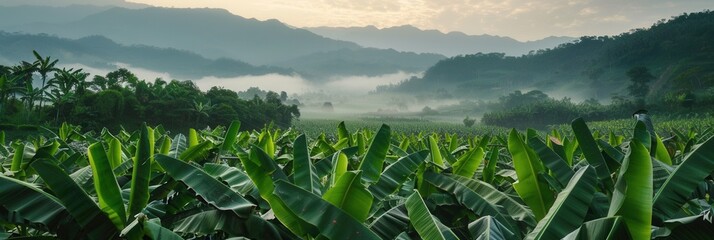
515, 209
591, 151
423, 221
196, 153
17, 158
209, 222
470, 199
488, 227
339, 166
373, 161
141, 173
343, 134
489, 172
304, 172
610, 228
30, 205
154, 230
266, 143
677, 190
106, 186
569, 209
332, 222
632, 198
263, 171
231, 137
114, 153
468, 163
390, 224
237, 180
435, 153
351, 196
178, 145
552, 161
82, 208
661, 152
192, 137
534, 191
396, 174
208, 188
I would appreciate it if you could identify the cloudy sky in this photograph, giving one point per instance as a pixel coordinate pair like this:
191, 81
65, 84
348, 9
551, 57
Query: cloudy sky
521, 19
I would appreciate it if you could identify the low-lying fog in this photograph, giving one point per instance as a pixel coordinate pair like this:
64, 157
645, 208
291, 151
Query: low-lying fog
348, 95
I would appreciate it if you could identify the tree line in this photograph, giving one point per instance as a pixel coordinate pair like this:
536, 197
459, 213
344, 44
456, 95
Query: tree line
39, 93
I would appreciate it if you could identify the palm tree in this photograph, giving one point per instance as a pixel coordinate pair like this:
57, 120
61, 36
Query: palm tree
67, 84
44, 66
23, 74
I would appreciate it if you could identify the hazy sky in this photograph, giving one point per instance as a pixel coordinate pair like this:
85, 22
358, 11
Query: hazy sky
521, 19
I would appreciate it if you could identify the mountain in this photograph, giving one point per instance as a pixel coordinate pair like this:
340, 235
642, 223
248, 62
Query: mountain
678, 52
65, 3
100, 52
412, 39
23, 15
213, 33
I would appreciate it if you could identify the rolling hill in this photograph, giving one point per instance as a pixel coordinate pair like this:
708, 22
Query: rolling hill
411, 39
679, 52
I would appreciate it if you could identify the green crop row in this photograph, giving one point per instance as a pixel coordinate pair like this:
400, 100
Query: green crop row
371, 183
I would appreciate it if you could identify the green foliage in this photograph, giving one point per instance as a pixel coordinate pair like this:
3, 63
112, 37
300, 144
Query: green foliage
495, 186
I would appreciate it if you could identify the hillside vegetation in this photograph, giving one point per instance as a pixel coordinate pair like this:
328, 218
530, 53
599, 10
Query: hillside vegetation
678, 52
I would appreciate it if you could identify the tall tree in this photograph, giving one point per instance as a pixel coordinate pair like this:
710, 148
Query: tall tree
44, 67
639, 83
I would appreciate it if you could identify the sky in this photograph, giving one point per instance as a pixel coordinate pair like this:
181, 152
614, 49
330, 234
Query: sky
520, 19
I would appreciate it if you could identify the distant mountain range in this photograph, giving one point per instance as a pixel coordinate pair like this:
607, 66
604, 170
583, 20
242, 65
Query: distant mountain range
215, 34
100, 52
678, 52
411, 39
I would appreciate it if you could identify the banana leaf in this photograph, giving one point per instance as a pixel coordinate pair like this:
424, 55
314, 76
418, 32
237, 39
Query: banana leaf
263, 171
339, 166
610, 228
208, 188
197, 153
678, 188
141, 173
423, 221
396, 174
82, 208
391, 223
231, 137
435, 152
489, 228
27, 204
212, 221
178, 145
569, 209
373, 161
351, 196
632, 198
468, 163
515, 209
533, 190
237, 180
332, 222
552, 161
469, 198
106, 186
304, 172
592, 152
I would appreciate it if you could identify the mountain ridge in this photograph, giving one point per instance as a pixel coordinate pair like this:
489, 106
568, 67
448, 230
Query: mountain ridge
412, 39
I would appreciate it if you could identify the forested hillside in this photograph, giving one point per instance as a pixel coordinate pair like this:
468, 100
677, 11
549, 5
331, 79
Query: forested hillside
679, 52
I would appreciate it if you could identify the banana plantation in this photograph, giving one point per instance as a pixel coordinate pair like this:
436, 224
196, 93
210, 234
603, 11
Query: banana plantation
224, 183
